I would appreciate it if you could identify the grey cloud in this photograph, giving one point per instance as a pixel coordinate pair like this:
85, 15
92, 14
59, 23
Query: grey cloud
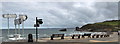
64, 14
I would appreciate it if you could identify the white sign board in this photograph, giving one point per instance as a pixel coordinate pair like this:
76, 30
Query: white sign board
23, 17
9, 15
17, 21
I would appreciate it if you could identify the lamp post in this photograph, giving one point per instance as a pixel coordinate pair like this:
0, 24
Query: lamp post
38, 21
36, 31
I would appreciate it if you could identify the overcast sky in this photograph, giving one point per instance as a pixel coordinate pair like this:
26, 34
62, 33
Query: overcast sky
61, 14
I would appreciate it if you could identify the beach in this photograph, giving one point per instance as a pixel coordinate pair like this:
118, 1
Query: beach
113, 39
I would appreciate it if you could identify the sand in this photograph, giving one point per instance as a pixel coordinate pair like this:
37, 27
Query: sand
113, 38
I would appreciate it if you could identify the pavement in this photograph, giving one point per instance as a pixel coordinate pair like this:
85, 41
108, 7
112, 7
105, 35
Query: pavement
113, 39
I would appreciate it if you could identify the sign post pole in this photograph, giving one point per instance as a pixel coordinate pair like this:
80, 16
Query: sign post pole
9, 16
15, 27
19, 28
23, 28
8, 25
22, 19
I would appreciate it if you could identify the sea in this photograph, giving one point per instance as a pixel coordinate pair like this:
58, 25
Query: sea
43, 32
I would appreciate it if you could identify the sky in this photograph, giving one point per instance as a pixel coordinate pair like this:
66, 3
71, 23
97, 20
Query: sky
60, 14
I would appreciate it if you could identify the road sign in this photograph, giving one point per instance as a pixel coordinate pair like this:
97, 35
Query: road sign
9, 16
23, 17
17, 21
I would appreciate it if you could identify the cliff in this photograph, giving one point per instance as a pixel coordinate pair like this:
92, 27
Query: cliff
112, 25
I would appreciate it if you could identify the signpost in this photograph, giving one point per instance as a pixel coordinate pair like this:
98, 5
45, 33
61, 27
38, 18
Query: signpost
22, 19
18, 21
9, 16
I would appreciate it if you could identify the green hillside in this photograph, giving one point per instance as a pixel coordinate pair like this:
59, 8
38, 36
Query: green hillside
112, 25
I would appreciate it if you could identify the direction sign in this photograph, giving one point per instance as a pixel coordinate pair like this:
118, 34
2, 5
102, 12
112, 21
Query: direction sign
23, 17
9, 15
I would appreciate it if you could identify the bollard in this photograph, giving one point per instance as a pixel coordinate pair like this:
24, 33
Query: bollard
30, 38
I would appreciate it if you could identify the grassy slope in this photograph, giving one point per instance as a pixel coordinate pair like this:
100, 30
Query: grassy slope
113, 25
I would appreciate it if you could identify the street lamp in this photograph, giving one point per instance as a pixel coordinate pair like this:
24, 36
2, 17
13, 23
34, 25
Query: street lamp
38, 21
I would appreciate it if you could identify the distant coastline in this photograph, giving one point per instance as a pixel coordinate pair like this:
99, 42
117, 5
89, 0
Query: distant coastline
112, 25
